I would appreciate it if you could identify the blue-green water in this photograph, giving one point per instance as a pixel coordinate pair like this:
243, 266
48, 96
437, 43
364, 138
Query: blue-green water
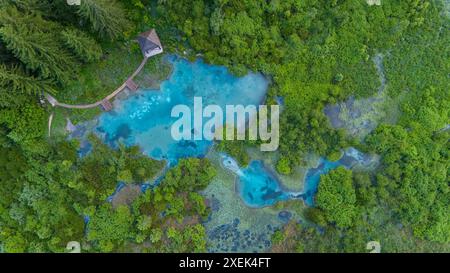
258, 187
145, 118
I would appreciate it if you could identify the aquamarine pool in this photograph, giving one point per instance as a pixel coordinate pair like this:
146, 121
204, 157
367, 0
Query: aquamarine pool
144, 119
259, 187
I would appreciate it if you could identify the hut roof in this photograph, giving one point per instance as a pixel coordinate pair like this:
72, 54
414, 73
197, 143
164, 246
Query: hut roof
149, 41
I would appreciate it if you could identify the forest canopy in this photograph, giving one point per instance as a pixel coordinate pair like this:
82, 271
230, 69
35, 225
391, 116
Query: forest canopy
315, 52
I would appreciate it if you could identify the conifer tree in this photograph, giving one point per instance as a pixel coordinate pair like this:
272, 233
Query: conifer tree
105, 17
83, 46
16, 81
38, 51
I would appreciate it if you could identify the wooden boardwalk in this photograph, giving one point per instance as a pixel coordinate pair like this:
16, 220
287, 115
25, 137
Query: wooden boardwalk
105, 102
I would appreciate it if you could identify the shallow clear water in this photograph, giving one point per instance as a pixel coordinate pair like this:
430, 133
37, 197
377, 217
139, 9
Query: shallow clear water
144, 119
258, 187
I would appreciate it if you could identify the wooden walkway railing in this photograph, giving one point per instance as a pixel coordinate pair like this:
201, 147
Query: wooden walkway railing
105, 102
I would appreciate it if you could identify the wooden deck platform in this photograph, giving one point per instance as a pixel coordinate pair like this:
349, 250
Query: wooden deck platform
106, 105
131, 85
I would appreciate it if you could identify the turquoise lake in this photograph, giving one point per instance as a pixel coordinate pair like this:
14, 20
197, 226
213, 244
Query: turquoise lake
256, 185
144, 119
